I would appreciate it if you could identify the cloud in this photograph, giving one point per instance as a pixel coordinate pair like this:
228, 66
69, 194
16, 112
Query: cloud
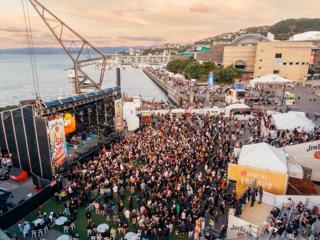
141, 39
200, 8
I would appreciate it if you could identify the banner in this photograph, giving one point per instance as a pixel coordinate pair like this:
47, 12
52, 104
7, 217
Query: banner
118, 113
307, 155
69, 123
245, 177
57, 141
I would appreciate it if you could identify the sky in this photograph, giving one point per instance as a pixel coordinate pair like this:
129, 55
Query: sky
147, 22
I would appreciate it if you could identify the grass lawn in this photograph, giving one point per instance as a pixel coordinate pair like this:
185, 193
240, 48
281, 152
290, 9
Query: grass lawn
81, 222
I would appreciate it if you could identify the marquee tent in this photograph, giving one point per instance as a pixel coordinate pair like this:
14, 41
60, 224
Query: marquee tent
263, 156
269, 79
293, 120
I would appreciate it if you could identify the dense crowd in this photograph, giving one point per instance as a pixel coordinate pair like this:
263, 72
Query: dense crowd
294, 221
169, 177
174, 172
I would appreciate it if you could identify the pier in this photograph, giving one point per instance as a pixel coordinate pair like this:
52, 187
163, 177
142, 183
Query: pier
172, 93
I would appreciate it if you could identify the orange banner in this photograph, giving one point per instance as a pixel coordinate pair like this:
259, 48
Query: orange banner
69, 123
272, 182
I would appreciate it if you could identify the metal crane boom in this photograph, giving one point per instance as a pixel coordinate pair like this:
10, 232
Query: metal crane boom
77, 49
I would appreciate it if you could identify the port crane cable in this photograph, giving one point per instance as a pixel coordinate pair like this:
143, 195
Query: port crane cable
30, 48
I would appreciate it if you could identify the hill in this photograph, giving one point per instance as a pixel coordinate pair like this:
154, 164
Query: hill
282, 30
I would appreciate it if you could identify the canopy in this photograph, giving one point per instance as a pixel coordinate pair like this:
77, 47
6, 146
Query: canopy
263, 156
269, 79
293, 120
231, 107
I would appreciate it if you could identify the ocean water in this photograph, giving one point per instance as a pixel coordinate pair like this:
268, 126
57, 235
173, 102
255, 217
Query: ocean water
16, 82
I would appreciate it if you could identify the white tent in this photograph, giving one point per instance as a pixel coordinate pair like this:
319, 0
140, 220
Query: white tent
293, 120
269, 79
263, 156
236, 106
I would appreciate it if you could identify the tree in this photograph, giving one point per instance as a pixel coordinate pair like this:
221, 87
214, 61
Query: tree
227, 74
206, 68
193, 70
174, 65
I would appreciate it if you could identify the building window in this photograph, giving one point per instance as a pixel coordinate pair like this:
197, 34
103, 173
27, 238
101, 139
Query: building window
297, 63
302, 63
285, 63
291, 63
276, 71
260, 60
260, 67
278, 55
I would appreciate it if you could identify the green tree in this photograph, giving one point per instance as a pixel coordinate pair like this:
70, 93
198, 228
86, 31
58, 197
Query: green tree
174, 65
206, 68
193, 70
227, 74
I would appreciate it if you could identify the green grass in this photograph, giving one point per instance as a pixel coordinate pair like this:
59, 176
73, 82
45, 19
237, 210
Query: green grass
81, 221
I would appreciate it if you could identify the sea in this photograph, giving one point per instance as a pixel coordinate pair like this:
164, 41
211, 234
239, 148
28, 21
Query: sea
16, 81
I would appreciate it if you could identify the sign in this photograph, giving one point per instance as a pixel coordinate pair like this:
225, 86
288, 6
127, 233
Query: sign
57, 141
307, 155
245, 177
210, 79
69, 123
118, 112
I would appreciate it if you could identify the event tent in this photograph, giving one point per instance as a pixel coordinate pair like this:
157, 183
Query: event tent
269, 79
236, 106
263, 156
293, 120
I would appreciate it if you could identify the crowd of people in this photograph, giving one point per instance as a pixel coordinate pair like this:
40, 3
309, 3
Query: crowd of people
174, 172
294, 221
186, 88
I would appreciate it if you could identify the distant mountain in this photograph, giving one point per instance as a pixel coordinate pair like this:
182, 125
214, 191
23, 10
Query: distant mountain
282, 30
106, 50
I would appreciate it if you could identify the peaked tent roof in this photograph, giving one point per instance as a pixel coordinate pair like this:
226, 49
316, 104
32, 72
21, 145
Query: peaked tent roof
292, 120
264, 156
269, 79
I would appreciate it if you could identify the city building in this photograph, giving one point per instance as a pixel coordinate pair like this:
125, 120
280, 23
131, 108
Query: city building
217, 53
241, 53
284, 58
257, 55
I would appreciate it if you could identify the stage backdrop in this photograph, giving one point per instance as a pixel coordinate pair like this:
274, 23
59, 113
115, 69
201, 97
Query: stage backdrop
272, 182
69, 123
57, 142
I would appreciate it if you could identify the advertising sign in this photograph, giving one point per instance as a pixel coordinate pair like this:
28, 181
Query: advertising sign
118, 112
307, 155
69, 123
57, 141
245, 177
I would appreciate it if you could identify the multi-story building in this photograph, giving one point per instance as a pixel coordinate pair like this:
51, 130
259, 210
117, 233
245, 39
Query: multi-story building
257, 55
285, 58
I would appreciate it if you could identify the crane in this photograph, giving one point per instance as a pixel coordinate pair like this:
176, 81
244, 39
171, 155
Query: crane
81, 52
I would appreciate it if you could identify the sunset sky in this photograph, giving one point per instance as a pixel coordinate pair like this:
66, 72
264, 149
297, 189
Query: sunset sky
148, 22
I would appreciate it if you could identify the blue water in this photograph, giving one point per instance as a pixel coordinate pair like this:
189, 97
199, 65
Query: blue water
16, 82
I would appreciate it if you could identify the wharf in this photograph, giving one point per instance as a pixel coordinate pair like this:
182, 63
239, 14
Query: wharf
172, 93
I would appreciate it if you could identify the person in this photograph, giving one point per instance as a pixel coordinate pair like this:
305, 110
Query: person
253, 196
260, 191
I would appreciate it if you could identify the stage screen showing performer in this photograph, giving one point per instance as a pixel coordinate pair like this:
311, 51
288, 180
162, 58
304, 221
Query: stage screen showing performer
57, 142
69, 123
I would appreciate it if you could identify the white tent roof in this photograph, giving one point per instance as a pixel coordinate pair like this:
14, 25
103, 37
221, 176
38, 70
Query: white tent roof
269, 79
291, 120
236, 106
263, 156
306, 36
